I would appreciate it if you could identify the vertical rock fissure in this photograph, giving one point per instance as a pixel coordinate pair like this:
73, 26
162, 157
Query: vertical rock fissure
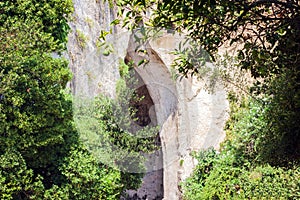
145, 108
152, 185
157, 80
187, 124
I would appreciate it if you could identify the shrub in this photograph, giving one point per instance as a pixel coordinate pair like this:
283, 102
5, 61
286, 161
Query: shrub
253, 163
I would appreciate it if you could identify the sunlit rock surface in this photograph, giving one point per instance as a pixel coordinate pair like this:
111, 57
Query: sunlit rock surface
190, 118
93, 72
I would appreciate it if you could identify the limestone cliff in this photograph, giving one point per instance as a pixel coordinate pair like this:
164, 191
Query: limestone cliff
190, 118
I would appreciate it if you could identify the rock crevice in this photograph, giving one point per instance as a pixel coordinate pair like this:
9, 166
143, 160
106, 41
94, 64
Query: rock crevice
190, 118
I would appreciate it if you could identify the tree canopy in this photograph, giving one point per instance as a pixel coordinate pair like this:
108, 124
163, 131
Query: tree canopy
43, 155
267, 31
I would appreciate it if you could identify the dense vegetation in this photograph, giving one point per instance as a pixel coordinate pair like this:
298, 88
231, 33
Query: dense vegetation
110, 130
260, 158
250, 165
42, 155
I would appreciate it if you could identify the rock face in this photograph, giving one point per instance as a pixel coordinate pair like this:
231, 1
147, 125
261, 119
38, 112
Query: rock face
94, 73
190, 118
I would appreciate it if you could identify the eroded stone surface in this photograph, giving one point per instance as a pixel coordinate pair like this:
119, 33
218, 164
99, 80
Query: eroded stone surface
190, 118
93, 72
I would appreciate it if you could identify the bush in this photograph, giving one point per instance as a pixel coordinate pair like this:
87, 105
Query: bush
253, 162
41, 156
218, 177
108, 128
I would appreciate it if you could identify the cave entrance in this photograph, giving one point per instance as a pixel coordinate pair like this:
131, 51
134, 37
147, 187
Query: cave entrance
152, 185
145, 109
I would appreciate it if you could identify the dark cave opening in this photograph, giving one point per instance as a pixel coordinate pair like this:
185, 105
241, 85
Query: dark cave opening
145, 115
145, 111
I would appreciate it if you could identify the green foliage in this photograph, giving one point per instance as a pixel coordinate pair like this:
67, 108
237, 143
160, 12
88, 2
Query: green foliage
102, 45
260, 159
15, 177
267, 31
190, 59
134, 15
81, 39
124, 70
196, 182
254, 162
30, 78
41, 156
51, 15
218, 177
87, 179
108, 127
280, 133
